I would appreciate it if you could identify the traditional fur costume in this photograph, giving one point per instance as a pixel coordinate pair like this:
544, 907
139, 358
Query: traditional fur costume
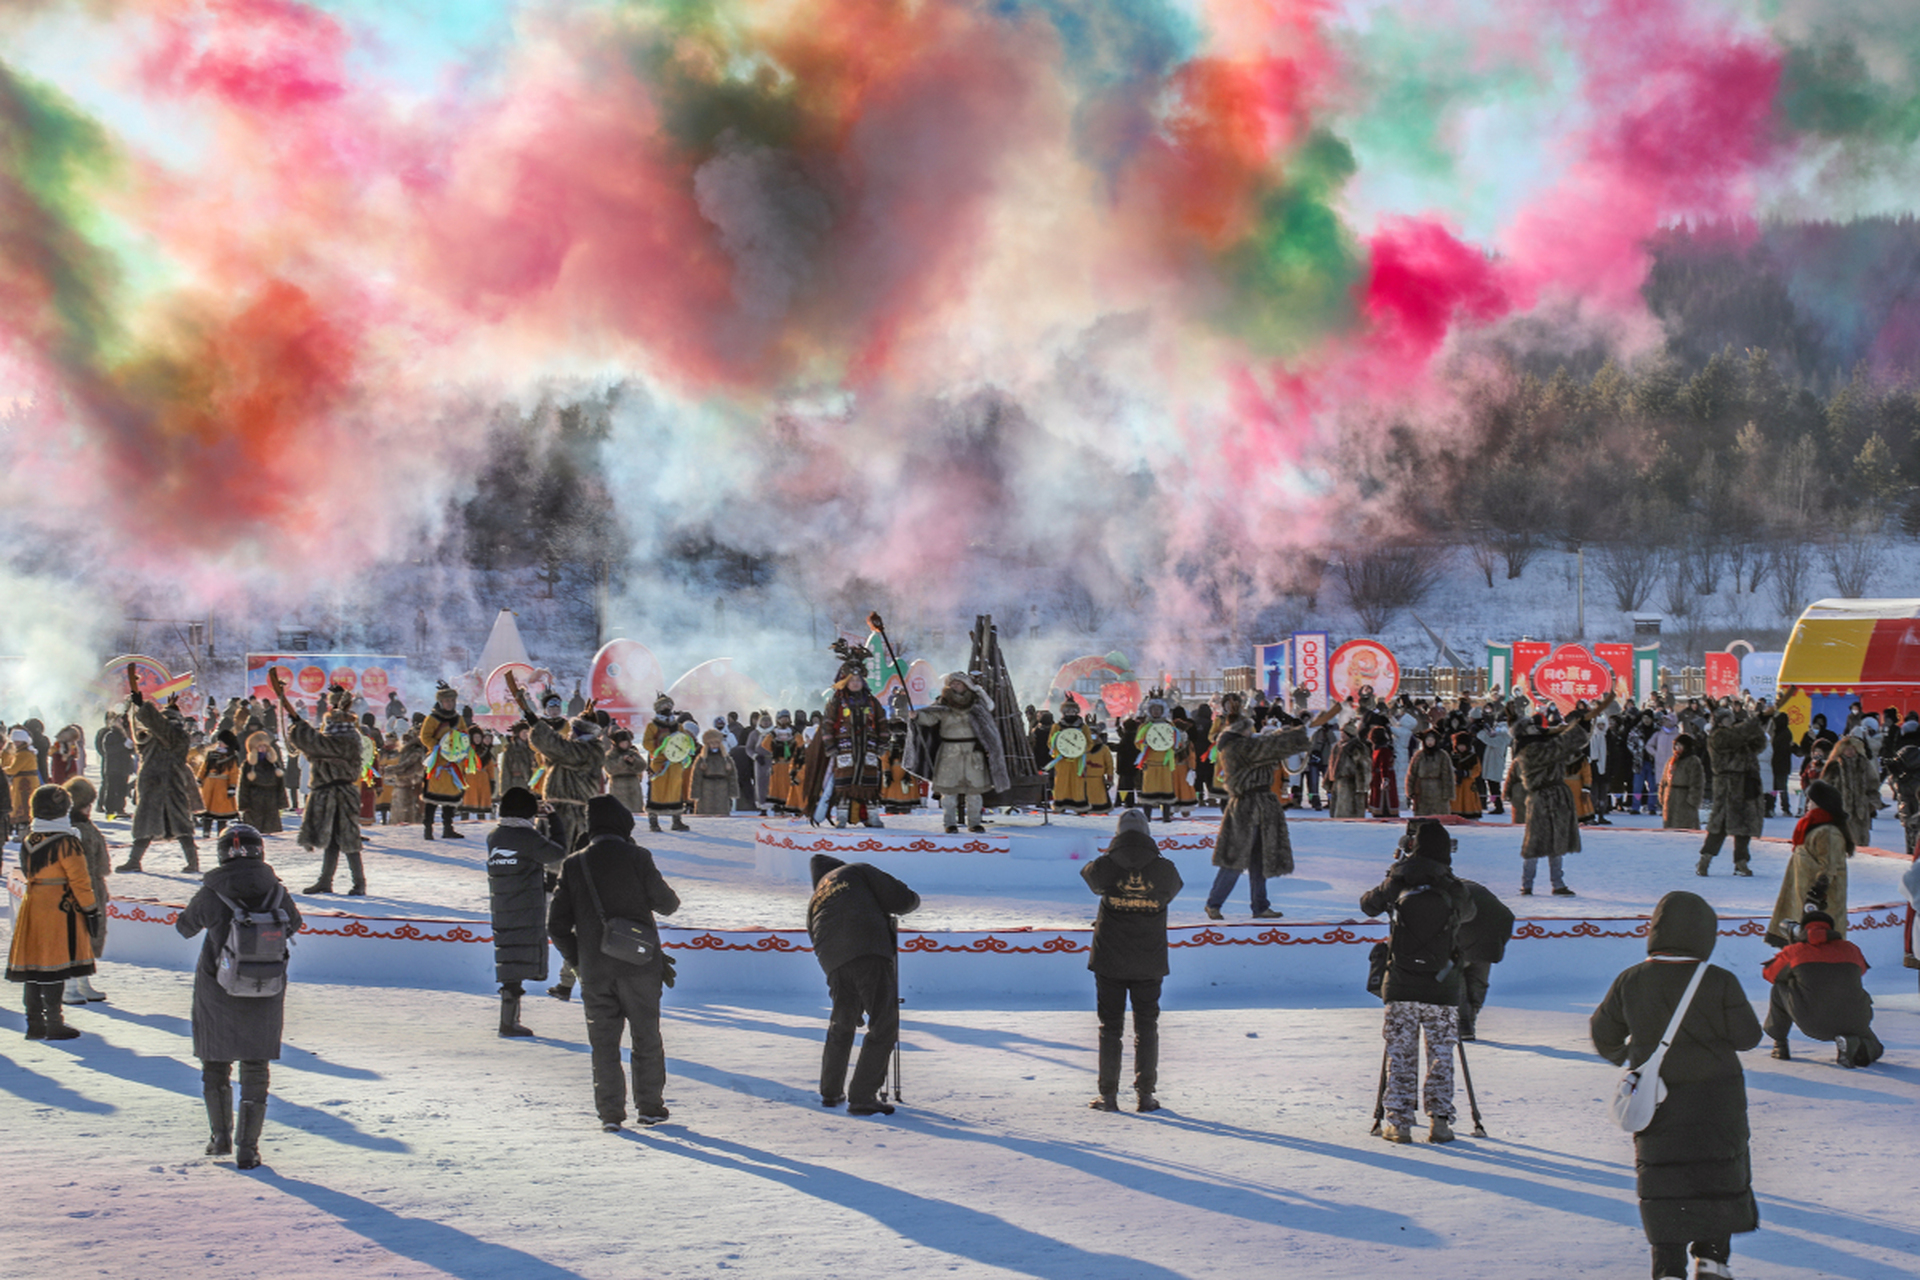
1081, 763
1733, 750
219, 778
626, 772
1350, 773
331, 822
52, 927
168, 792
849, 743
958, 749
670, 750
1253, 825
448, 737
716, 783
575, 761
782, 744
262, 787
1166, 761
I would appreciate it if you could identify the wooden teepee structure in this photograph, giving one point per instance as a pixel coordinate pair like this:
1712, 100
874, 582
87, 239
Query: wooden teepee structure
988, 666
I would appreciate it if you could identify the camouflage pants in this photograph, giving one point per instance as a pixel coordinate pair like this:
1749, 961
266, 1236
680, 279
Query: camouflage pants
1405, 1021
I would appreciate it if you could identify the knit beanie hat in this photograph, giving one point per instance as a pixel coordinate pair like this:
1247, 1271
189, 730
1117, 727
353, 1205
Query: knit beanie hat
518, 802
1132, 820
1431, 841
608, 817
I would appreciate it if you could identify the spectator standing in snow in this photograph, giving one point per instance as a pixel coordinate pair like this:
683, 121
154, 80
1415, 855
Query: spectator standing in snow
613, 878
1430, 778
1495, 739
519, 860
1422, 985
1683, 787
81, 990
849, 921
1692, 1166
228, 1028
1129, 959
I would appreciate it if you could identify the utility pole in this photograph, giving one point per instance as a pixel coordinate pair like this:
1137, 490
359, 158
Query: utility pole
1580, 619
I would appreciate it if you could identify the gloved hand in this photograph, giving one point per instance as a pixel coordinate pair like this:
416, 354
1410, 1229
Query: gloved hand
666, 968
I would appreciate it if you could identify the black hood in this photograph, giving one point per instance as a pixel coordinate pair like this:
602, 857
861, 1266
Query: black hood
1133, 850
820, 864
1683, 925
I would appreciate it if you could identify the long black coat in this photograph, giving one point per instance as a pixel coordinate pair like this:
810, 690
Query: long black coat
1484, 937
847, 917
228, 1028
518, 859
630, 888
1135, 885
1691, 1164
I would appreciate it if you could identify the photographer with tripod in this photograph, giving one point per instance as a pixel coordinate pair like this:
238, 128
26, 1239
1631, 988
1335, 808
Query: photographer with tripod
1420, 977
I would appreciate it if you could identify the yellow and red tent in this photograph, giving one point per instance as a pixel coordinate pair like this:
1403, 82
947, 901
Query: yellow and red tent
1847, 650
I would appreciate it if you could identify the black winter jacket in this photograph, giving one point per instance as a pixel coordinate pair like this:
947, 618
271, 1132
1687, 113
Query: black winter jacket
1135, 885
1484, 936
847, 917
229, 1028
1411, 872
630, 888
518, 859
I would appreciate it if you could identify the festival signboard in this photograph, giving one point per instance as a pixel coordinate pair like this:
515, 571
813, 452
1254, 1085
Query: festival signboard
534, 682
308, 675
1570, 675
1723, 675
1273, 668
1619, 660
1309, 655
1359, 664
1760, 674
1526, 656
922, 683
1108, 679
156, 682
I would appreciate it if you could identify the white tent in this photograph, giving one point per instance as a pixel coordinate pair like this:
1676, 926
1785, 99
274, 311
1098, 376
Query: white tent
503, 645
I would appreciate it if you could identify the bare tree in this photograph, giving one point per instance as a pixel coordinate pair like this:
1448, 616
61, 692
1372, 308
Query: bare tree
1790, 569
1630, 567
1083, 611
1381, 582
1485, 555
1853, 557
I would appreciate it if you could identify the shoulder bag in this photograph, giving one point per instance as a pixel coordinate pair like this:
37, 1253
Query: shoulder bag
635, 942
1635, 1099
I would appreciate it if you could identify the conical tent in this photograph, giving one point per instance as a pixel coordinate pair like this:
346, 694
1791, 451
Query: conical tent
503, 646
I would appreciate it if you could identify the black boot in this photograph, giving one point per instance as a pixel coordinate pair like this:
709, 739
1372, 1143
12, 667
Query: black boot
51, 1012
510, 1015
446, 826
134, 856
428, 825
653, 821
253, 1118
193, 854
219, 1117
679, 825
36, 1017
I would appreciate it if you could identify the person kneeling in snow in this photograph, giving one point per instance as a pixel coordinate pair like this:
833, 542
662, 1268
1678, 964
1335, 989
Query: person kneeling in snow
1422, 985
1817, 985
1129, 959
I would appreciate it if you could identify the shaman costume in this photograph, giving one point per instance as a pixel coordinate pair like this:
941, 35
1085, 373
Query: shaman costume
448, 737
1081, 763
168, 791
1166, 762
960, 751
847, 745
782, 745
670, 751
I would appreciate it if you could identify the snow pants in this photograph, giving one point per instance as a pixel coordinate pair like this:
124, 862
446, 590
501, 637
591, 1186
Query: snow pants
615, 1006
1406, 1022
1111, 997
862, 987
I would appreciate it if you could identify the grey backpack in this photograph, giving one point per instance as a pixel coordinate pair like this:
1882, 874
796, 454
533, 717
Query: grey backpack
253, 959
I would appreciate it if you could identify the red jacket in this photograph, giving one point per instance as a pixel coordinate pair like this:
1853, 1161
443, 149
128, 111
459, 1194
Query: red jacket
1821, 947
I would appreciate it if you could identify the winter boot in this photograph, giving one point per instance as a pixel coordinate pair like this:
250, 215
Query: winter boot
219, 1117
428, 833
679, 824
1267, 913
1146, 1102
1214, 913
1742, 869
74, 993
1700, 867
1708, 1269
446, 826
1395, 1132
253, 1118
36, 1017
94, 994
561, 991
1104, 1102
653, 822
193, 855
134, 855
1781, 1051
57, 1028
1439, 1129
510, 1015
1166, 813
1847, 1049
870, 1107
1910, 961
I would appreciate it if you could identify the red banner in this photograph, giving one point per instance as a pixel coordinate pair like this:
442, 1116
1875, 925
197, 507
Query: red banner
1723, 675
1571, 674
1619, 657
1359, 663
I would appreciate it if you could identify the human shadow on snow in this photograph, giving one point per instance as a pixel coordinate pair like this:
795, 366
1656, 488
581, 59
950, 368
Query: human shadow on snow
434, 1244
28, 1085
161, 1071
1211, 1193
937, 1224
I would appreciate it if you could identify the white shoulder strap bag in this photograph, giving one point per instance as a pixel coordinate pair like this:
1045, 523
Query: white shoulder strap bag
1641, 1090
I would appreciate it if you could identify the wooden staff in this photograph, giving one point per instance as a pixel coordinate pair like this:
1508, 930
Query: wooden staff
520, 697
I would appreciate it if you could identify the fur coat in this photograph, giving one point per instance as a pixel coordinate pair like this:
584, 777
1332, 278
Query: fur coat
1682, 790
168, 792
956, 768
1542, 765
1734, 750
1253, 825
1857, 780
1430, 782
332, 816
1351, 774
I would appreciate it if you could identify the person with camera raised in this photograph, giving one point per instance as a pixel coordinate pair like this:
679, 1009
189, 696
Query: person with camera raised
1819, 985
1422, 983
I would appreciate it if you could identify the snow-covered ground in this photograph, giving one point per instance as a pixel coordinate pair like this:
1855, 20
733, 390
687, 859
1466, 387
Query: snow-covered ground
406, 1139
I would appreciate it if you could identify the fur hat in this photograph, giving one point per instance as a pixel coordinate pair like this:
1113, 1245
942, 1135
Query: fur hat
226, 739
1070, 706
608, 817
663, 705
713, 738
967, 679
1824, 795
551, 699
240, 841
1431, 841
442, 689
82, 791
621, 734
518, 802
853, 661
259, 741
50, 802
584, 728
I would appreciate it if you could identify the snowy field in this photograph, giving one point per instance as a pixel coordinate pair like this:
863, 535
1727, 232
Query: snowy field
406, 1139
